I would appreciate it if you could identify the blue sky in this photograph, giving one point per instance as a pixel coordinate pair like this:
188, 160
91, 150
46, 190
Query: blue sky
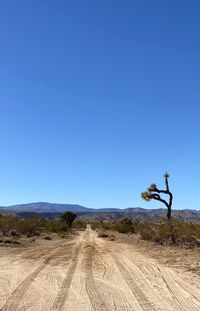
98, 99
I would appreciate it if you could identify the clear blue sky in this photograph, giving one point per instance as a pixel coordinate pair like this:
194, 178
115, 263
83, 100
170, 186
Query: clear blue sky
98, 99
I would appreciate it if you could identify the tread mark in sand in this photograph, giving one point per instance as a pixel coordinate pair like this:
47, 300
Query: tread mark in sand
63, 292
183, 302
97, 302
143, 301
13, 302
15, 299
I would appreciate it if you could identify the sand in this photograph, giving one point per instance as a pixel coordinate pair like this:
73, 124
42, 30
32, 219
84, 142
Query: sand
88, 273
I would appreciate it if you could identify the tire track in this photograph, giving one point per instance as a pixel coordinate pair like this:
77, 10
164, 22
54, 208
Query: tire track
189, 297
15, 299
114, 287
194, 292
143, 301
184, 303
96, 300
13, 302
64, 290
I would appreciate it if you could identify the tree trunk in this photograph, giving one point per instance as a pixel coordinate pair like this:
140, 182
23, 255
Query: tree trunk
169, 212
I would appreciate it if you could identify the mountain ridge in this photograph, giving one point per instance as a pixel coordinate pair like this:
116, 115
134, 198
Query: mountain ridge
57, 207
54, 210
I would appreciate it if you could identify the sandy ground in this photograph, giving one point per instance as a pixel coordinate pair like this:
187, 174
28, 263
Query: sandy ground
88, 273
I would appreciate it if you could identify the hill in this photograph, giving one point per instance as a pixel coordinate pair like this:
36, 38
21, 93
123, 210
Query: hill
46, 209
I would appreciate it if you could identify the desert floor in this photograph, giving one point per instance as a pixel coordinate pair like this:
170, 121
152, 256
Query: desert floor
90, 273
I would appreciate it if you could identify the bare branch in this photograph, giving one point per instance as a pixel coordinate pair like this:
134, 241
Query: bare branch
158, 198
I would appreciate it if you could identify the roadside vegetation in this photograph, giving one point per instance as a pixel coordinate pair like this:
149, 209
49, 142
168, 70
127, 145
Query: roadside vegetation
163, 232
12, 228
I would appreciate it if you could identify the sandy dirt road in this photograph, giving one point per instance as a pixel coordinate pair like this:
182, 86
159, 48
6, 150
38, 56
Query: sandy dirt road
91, 274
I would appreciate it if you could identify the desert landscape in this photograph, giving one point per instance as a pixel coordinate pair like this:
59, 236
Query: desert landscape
85, 272
99, 161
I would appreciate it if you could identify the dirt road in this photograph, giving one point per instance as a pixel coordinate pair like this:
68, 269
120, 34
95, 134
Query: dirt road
87, 274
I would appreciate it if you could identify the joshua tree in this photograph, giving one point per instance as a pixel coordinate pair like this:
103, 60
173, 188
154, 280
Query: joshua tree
154, 193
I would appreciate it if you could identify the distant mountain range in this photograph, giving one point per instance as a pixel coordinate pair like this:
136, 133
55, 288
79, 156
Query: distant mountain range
54, 210
41, 207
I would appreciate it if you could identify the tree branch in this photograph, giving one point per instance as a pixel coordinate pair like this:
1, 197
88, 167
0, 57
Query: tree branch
160, 191
158, 198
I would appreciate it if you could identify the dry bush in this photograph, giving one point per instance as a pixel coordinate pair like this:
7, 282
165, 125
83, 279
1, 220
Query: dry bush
96, 225
111, 237
147, 234
14, 241
123, 226
29, 235
14, 233
62, 235
80, 225
102, 234
163, 232
47, 237
12, 226
8, 241
20, 225
170, 232
57, 226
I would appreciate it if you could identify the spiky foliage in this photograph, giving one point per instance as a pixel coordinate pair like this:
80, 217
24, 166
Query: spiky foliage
154, 193
146, 195
152, 187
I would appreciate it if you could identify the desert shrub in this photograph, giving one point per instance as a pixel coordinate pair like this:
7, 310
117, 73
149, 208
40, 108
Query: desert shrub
47, 237
30, 226
147, 234
175, 232
123, 226
111, 237
29, 235
102, 235
13, 233
99, 224
79, 224
95, 225
8, 241
62, 235
16, 242
22, 226
105, 225
57, 226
